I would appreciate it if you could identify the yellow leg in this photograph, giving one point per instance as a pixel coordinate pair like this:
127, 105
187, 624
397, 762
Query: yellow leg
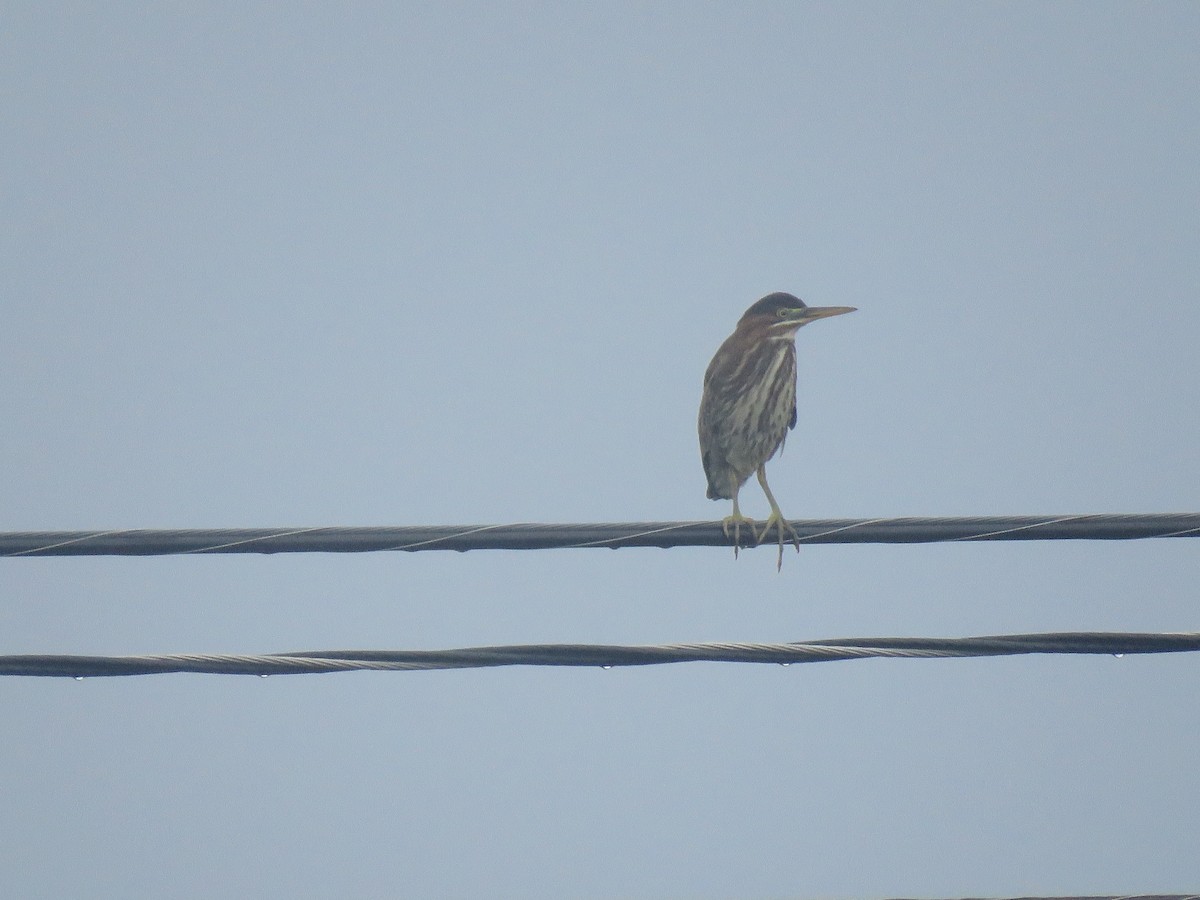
775, 518
736, 520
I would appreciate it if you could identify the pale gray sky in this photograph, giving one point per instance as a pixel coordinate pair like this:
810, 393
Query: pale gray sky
386, 264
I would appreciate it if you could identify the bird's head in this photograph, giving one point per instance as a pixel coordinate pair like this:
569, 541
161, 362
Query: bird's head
782, 315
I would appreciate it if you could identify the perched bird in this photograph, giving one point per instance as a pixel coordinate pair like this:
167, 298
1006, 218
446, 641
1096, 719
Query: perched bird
749, 404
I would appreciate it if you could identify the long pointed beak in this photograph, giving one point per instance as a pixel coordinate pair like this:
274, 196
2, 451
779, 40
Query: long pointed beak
824, 312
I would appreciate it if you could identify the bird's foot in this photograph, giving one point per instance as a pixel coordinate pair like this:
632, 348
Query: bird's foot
777, 520
736, 521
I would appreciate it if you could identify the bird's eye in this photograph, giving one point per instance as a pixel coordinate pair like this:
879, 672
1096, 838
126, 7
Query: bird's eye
782, 313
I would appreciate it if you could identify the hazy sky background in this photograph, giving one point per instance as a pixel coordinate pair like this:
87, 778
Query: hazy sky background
299, 264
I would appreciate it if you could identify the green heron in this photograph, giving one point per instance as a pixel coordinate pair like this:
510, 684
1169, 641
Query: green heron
749, 404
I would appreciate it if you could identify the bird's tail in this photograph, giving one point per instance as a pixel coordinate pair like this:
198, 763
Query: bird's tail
718, 480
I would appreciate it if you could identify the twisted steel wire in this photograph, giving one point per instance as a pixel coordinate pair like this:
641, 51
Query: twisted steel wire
527, 536
598, 655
